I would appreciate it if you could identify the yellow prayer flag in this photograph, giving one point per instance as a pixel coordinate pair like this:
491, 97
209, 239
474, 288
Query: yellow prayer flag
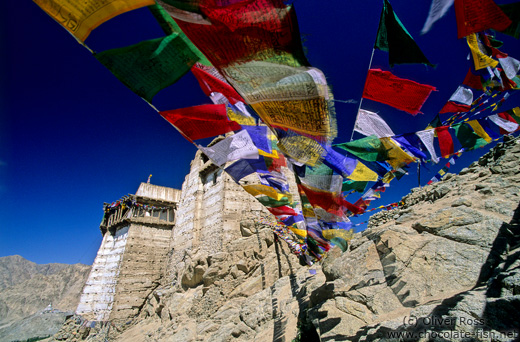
479, 130
397, 158
442, 172
299, 232
260, 189
480, 59
81, 17
362, 173
273, 155
388, 177
516, 111
240, 118
329, 234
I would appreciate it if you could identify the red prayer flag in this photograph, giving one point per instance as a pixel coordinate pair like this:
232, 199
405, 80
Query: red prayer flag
479, 15
400, 93
283, 210
453, 107
210, 83
445, 140
201, 122
507, 117
472, 81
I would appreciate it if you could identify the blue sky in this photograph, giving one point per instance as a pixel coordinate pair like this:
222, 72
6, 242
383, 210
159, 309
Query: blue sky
72, 136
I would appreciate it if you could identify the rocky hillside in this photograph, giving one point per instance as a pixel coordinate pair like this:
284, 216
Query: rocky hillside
445, 266
28, 288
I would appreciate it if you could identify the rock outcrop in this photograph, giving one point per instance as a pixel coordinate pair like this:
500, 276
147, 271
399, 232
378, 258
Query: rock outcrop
445, 266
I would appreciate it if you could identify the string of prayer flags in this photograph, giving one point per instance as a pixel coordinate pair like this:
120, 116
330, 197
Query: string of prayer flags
513, 12
237, 146
81, 17
400, 93
479, 15
369, 123
202, 121
438, 9
149, 66
393, 38
445, 169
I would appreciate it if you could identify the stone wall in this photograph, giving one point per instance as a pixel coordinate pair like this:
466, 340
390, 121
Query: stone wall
97, 298
141, 269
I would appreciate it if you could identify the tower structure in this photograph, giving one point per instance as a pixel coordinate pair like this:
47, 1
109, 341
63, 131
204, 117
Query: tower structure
132, 258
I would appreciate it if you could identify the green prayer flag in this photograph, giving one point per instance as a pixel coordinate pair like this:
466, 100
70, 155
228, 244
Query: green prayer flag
273, 203
393, 37
149, 66
169, 27
358, 186
513, 12
467, 137
369, 148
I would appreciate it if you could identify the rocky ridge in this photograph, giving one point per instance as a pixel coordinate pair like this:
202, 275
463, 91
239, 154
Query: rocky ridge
28, 288
445, 266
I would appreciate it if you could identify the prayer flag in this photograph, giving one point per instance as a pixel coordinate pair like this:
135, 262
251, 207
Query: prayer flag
209, 83
397, 158
395, 39
357, 186
445, 140
452, 107
477, 128
427, 137
480, 59
400, 93
504, 123
438, 9
411, 143
462, 95
81, 17
473, 81
369, 148
513, 12
245, 167
467, 137
510, 66
479, 15
369, 123
149, 66
237, 146
201, 122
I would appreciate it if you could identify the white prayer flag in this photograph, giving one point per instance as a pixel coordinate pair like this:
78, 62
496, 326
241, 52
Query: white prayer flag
510, 65
462, 95
237, 146
369, 123
503, 123
427, 137
438, 9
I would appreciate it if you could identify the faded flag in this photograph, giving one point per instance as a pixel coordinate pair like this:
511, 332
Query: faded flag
237, 146
369, 123
479, 15
438, 9
81, 17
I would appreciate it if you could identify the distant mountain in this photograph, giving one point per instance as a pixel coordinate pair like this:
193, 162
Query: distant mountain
27, 288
